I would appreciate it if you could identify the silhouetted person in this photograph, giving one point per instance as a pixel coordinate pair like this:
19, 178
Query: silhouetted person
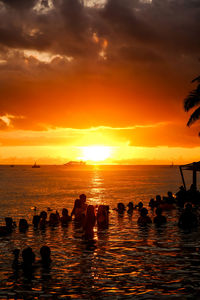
170, 198
79, 213
23, 225
159, 219
43, 219
144, 219
36, 221
193, 188
121, 208
158, 200
152, 203
188, 219
65, 219
78, 206
28, 257
45, 253
82, 197
53, 219
139, 206
89, 223
77, 203
181, 196
8, 228
130, 208
102, 217
9, 223
193, 195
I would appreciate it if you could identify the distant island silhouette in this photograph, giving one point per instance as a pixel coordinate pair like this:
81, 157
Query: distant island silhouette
75, 163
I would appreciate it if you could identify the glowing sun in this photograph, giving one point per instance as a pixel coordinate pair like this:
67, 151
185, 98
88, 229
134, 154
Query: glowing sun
96, 153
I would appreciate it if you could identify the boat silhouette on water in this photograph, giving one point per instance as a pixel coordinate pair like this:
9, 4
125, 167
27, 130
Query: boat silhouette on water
35, 165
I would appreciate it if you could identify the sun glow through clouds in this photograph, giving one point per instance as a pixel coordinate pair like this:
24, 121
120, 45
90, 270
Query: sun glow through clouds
95, 153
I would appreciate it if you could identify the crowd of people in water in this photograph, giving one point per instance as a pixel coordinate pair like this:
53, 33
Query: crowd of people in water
28, 259
86, 216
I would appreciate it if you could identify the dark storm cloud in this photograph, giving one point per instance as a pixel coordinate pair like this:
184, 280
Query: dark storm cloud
67, 28
123, 21
139, 54
14, 37
20, 4
176, 23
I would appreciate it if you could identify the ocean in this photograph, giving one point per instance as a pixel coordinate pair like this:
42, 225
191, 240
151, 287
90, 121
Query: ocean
126, 261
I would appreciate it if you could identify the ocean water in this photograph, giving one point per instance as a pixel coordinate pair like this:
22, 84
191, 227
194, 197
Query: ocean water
126, 262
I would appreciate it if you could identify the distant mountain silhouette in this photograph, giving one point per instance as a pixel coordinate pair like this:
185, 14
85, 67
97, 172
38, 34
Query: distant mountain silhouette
191, 101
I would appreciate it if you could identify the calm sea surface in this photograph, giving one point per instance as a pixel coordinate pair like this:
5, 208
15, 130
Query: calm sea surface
126, 262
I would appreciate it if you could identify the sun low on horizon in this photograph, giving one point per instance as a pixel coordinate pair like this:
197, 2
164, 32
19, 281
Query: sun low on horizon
82, 79
95, 154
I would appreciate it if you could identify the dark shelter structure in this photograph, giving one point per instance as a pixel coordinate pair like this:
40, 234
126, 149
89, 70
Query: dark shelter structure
194, 167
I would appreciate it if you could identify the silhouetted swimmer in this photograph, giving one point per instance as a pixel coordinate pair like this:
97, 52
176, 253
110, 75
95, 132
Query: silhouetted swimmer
8, 228
45, 253
121, 208
144, 219
158, 200
10, 225
15, 263
188, 219
80, 205
65, 219
23, 225
139, 206
28, 257
152, 203
83, 198
89, 223
102, 217
58, 216
159, 219
43, 219
170, 198
79, 213
36, 221
130, 208
53, 219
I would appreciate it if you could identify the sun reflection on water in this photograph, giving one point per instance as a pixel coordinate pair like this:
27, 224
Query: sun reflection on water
96, 190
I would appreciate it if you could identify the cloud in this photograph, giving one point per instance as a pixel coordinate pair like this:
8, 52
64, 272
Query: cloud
20, 4
150, 135
136, 71
7, 119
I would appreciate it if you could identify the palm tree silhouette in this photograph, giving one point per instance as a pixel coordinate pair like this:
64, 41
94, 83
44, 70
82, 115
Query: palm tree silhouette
191, 101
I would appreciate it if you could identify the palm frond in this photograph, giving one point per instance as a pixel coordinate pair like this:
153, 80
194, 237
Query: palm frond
196, 79
192, 99
194, 117
198, 88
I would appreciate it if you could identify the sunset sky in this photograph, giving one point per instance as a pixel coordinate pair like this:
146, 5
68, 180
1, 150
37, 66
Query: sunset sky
106, 74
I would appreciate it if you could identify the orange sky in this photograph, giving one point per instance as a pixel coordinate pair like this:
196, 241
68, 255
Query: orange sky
110, 73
